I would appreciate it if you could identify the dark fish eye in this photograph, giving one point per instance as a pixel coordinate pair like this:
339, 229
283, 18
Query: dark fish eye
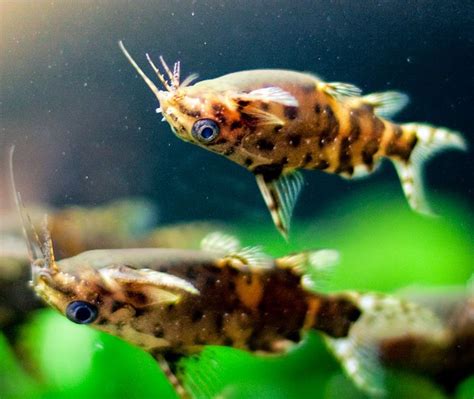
205, 130
81, 312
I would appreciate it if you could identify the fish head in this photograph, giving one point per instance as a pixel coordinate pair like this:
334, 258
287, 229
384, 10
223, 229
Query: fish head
202, 114
114, 298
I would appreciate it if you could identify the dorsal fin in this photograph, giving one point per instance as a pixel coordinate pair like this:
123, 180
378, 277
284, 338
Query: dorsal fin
313, 266
228, 248
340, 91
220, 244
269, 95
386, 104
280, 195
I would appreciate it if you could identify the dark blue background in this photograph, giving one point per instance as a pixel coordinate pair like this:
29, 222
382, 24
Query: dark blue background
86, 129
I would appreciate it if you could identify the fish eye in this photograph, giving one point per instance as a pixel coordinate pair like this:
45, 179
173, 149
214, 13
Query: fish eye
205, 130
81, 312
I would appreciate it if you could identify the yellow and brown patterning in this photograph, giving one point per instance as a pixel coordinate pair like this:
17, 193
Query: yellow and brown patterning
275, 122
172, 303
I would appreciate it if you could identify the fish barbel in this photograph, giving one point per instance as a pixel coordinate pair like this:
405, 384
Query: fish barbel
277, 122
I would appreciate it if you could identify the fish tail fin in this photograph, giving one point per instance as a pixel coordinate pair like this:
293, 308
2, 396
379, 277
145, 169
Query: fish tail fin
382, 318
429, 141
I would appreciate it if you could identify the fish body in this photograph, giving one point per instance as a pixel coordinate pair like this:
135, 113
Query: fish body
172, 303
277, 122
180, 300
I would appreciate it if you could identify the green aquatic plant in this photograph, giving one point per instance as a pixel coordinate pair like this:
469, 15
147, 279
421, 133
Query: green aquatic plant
73, 361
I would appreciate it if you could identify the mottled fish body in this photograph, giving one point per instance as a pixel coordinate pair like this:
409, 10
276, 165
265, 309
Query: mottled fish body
172, 303
276, 122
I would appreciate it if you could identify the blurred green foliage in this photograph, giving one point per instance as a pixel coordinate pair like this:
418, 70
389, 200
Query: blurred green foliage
384, 247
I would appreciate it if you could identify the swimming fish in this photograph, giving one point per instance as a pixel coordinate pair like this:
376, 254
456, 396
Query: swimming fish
277, 122
172, 303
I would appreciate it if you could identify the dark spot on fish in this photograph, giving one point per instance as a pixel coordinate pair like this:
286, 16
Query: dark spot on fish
163, 269
139, 297
307, 159
290, 112
116, 305
231, 284
219, 321
235, 125
248, 161
249, 279
269, 172
191, 273
355, 130
197, 315
345, 157
243, 103
284, 161
229, 151
228, 341
277, 128
210, 282
370, 148
101, 322
335, 317
265, 106
170, 307
184, 110
322, 164
140, 312
265, 145
158, 332
400, 148
294, 140
377, 126
331, 128
217, 107
317, 108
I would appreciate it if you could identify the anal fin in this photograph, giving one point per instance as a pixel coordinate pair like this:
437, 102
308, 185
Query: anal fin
280, 195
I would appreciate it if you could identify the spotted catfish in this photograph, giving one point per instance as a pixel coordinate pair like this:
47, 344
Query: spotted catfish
276, 122
172, 303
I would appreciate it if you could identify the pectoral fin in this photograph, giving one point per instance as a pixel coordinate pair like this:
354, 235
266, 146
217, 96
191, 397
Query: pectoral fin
146, 287
270, 94
230, 250
280, 195
255, 104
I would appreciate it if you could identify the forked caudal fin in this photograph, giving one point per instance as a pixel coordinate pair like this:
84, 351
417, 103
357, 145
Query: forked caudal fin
430, 140
382, 317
